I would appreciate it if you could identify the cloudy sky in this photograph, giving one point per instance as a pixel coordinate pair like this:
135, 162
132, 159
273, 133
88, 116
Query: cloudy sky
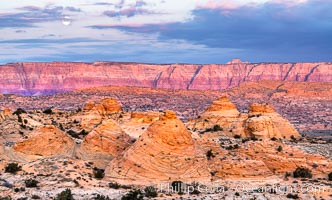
166, 31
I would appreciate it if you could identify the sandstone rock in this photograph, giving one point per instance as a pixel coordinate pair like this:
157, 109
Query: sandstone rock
285, 160
106, 141
165, 152
265, 122
223, 113
46, 141
6, 113
261, 127
95, 113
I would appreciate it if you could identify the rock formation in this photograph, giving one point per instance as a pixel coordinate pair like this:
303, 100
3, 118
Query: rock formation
46, 141
265, 122
222, 115
24, 78
95, 112
6, 113
106, 141
165, 152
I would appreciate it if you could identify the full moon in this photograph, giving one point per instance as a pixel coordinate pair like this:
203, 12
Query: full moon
66, 20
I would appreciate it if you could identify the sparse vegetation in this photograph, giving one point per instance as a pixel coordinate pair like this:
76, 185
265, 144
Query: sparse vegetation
6, 198
98, 173
292, 196
101, 197
12, 168
301, 172
279, 149
48, 111
19, 111
237, 136
114, 185
30, 183
150, 192
330, 176
209, 154
65, 195
133, 195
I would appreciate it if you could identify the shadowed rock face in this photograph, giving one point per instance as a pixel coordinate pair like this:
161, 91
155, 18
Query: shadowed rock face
48, 78
165, 152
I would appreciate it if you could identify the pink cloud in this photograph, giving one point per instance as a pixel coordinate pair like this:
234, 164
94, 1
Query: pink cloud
218, 5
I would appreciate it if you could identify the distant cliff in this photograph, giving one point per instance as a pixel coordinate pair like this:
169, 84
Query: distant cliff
46, 78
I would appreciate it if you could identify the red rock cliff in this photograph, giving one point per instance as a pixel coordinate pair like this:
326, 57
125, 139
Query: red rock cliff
30, 78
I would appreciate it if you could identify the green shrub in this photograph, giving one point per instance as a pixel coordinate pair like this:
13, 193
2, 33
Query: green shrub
101, 197
217, 128
301, 172
30, 183
19, 111
98, 173
114, 185
330, 176
292, 196
150, 192
237, 136
279, 148
48, 111
6, 198
12, 168
133, 195
178, 186
209, 154
65, 195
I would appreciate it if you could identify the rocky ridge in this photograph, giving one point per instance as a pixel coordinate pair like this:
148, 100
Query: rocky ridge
47, 78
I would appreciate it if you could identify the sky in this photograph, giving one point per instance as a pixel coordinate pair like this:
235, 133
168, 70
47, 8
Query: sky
166, 31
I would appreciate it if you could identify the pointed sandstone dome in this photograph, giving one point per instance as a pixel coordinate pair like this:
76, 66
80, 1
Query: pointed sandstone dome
223, 113
106, 141
95, 112
222, 106
5, 114
165, 152
265, 122
46, 141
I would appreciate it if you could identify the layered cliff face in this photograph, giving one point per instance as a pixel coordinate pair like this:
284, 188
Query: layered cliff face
45, 78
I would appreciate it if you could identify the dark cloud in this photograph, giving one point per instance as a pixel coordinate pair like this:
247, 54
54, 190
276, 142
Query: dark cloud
270, 32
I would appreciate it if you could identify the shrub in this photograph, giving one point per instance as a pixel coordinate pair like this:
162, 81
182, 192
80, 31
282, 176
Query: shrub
65, 195
12, 168
19, 111
150, 192
330, 176
237, 136
6, 198
133, 195
209, 154
35, 197
30, 183
217, 128
98, 173
178, 186
301, 172
101, 197
292, 196
48, 111
279, 148
114, 185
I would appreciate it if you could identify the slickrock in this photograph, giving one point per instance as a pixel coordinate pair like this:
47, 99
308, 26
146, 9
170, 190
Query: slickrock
281, 158
165, 152
265, 122
261, 127
24, 78
46, 141
6, 113
222, 113
138, 122
106, 141
94, 113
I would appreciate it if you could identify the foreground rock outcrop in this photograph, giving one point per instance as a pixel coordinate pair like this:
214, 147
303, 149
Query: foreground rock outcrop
94, 112
106, 141
265, 122
23, 78
46, 141
261, 122
165, 152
